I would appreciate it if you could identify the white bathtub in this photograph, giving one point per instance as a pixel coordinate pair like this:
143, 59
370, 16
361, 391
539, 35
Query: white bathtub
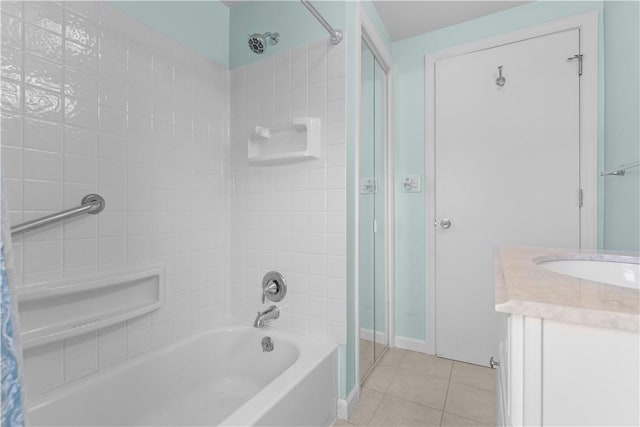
218, 377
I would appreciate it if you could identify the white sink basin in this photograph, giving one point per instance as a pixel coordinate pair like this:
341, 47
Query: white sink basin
626, 274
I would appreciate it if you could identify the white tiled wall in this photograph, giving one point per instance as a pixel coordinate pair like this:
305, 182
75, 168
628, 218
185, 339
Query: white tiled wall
95, 101
291, 218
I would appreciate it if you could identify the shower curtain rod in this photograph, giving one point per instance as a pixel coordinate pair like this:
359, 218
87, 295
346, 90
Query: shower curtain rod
336, 35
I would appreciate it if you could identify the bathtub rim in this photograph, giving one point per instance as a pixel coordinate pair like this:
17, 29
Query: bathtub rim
309, 349
259, 405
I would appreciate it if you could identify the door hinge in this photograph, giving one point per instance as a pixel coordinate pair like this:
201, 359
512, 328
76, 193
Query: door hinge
580, 198
577, 57
375, 225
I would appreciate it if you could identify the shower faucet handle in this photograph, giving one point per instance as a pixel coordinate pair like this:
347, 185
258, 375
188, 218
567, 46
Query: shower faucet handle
271, 290
274, 287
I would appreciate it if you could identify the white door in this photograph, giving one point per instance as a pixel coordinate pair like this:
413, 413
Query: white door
507, 173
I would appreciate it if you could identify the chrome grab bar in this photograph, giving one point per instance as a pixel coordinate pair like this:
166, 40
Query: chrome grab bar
336, 35
91, 204
620, 171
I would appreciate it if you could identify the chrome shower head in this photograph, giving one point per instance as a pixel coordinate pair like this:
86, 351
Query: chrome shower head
258, 42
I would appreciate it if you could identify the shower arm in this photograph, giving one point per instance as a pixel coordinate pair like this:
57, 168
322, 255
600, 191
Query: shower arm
336, 35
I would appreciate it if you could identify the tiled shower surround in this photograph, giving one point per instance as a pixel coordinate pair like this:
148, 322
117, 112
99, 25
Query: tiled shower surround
95, 101
291, 218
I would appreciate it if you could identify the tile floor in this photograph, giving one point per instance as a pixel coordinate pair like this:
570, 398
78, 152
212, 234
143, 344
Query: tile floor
415, 389
369, 351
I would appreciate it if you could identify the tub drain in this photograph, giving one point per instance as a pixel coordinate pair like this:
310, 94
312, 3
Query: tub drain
267, 344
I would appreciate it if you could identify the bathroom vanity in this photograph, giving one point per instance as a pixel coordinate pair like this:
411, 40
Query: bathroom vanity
568, 347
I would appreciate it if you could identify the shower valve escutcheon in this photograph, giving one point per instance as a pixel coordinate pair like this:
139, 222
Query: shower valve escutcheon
274, 287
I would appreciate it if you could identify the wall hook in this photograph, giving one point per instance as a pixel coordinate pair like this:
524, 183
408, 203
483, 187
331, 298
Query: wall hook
500, 81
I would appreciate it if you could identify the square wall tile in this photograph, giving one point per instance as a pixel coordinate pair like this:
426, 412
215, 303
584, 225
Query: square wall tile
95, 101
11, 31
80, 57
46, 15
80, 29
12, 165
112, 345
44, 368
43, 43
88, 9
13, 7
42, 73
42, 165
80, 85
80, 356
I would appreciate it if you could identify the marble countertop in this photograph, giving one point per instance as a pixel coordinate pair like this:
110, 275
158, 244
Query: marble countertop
522, 287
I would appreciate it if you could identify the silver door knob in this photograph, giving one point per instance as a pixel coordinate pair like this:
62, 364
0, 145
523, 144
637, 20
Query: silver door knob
445, 223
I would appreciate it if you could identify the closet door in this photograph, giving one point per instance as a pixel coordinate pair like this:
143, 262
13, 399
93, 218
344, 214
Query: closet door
367, 215
372, 287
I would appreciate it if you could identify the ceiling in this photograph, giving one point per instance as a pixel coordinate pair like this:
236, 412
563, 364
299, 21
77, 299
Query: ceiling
409, 18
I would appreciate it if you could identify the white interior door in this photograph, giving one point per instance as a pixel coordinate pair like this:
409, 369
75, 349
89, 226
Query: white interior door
507, 172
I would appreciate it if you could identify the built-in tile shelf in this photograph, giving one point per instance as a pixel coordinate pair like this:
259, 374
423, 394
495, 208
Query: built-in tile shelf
67, 308
287, 143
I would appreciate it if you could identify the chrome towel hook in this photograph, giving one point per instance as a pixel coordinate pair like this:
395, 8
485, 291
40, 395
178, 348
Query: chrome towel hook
500, 81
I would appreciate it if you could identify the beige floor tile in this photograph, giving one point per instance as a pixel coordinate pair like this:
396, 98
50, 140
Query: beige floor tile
393, 357
416, 385
366, 351
471, 402
477, 376
420, 388
450, 420
378, 350
394, 411
364, 367
381, 378
369, 401
427, 364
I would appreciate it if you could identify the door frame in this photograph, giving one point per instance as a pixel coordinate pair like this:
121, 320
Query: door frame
588, 25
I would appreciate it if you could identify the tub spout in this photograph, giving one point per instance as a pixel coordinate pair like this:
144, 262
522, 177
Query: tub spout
272, 312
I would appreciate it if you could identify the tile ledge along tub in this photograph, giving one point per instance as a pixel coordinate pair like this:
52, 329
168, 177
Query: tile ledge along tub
218, 377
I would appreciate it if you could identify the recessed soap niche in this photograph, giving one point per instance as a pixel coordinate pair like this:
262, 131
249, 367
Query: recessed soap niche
287, 143
57, 310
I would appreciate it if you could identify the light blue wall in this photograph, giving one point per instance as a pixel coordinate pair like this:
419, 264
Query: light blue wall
201, 25
408, 56
622, 124
290, 19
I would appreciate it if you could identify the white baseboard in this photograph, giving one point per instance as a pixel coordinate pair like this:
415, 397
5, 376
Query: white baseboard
367, 334
411, 344
346, 406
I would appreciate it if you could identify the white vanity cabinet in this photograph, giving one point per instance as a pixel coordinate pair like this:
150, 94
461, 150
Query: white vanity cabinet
569, 338
555, 373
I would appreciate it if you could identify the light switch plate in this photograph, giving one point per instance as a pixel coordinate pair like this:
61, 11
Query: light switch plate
412, 184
